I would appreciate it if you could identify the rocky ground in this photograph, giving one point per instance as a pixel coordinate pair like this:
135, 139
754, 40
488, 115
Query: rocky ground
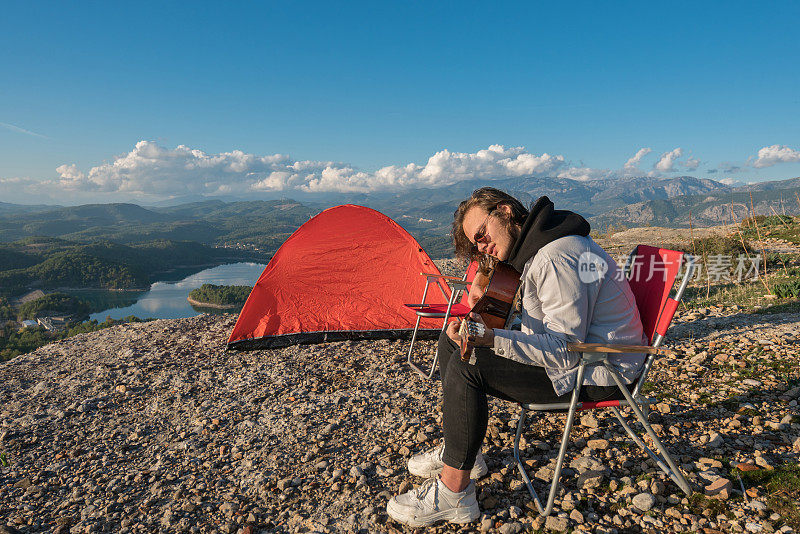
153, 427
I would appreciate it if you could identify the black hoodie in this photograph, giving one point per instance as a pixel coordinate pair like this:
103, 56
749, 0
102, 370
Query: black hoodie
543, 225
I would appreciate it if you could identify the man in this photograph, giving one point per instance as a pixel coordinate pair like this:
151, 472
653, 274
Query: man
528, 362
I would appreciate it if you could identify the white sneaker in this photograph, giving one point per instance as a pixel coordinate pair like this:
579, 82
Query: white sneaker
429, 464
433, 502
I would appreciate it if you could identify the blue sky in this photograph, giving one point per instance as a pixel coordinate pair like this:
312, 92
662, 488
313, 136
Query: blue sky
106, 92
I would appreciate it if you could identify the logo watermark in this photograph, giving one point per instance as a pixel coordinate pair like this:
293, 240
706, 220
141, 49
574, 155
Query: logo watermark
715, 267
591, 267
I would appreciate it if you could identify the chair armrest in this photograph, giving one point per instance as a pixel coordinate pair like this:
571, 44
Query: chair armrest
442, 276
459, 282
617, 349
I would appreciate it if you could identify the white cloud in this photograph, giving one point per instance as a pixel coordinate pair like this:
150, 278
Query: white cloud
153, 172
150, 169
773, 154
17, 182
633, 163
691, 163
666, 162
585, 174
23, 190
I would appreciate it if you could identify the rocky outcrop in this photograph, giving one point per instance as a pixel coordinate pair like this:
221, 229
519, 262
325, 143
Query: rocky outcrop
153, 427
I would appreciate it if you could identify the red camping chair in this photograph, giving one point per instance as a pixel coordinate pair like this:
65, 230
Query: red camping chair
453, 286
651, 273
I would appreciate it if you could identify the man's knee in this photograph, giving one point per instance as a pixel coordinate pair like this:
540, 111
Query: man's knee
459, 373
445, 343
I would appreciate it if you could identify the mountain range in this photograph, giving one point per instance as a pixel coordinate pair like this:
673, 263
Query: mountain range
425, 213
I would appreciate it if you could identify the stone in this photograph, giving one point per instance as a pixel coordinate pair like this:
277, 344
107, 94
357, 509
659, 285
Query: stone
746, 466
511, 528
710, 463
719, 489
597, 444
586, 463
644, 501
556, 524
758, 506
576, 516
762, 462
228, 509
590, 479
715, 440
356, 471
545, 474
589, 421
23, 483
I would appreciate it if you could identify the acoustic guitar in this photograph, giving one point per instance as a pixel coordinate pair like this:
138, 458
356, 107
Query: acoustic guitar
494, 307
497, 304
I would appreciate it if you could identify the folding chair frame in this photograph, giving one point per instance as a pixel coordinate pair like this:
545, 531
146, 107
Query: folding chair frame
634, 400
456, 287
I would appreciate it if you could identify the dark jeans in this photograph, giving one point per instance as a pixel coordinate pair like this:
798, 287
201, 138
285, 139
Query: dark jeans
465, 406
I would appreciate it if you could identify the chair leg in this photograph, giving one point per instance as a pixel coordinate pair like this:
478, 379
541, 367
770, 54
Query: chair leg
545, 511
671, 469
435, 362
673, 474
411, 348
520, 423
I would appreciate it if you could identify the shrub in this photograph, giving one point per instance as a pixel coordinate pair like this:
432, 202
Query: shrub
790, 289
222, 295
57, 302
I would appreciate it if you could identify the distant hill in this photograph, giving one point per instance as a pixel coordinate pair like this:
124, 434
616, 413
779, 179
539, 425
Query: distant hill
791, 183
50, 263
720, 207
9, 209
265, 224
427, 213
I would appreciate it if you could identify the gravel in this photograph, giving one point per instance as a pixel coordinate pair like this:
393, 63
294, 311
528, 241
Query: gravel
153, 427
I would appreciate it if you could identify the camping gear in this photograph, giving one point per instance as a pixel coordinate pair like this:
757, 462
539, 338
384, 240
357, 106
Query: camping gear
444, 310
344, 274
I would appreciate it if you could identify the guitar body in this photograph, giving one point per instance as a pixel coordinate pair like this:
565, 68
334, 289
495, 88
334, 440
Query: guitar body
497, 303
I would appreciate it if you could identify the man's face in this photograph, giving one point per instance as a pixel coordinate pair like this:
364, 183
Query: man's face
494, 237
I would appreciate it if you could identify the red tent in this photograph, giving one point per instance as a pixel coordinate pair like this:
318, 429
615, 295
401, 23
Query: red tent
344, 274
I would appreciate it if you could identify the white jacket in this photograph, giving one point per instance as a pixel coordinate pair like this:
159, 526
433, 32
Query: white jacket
564, 300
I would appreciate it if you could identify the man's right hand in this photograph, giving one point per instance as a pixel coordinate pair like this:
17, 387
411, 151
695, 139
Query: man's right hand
452, 331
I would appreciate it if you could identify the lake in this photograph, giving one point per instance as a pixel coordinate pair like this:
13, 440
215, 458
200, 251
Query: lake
167, 300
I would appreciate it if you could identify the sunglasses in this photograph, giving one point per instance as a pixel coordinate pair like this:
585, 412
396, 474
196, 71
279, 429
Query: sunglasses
481, 232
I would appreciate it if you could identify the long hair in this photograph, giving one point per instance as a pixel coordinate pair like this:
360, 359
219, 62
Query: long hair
489, 199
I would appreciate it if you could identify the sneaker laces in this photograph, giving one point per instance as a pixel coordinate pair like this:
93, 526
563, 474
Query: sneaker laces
437, 453
425, 487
